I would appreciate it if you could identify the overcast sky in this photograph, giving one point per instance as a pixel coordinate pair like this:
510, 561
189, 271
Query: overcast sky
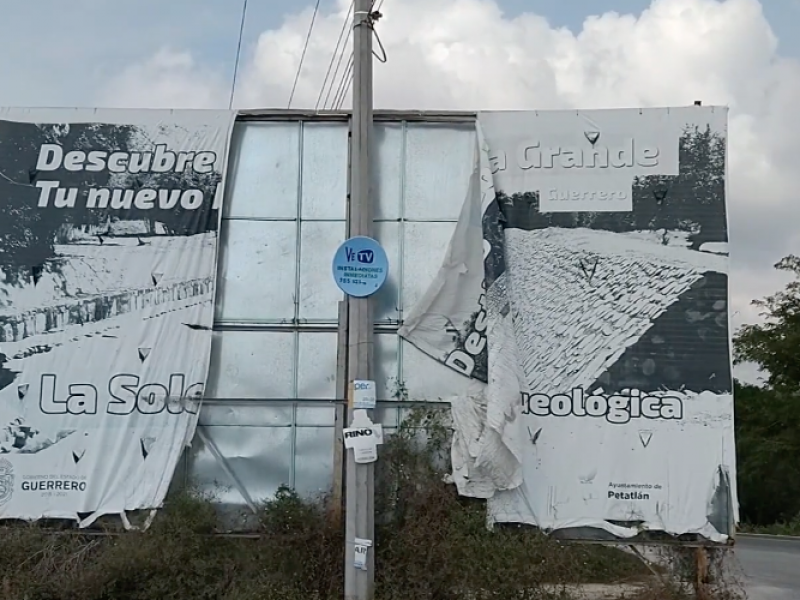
467, 54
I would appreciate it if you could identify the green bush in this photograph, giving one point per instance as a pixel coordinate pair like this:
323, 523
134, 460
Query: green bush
430, 544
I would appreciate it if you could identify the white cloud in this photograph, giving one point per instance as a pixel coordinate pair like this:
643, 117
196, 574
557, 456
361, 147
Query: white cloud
168, 79
465, 54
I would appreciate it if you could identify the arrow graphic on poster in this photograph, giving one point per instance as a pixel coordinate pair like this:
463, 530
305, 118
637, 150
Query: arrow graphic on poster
144, 353
534, 437
645, 437
22, 390
77, 457
146, 445
589, 267
592, 136
156, 276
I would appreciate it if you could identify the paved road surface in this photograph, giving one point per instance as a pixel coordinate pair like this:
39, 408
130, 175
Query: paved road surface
771, 567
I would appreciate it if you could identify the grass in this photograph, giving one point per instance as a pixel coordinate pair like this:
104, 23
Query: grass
430, 544
440, 550
791, 528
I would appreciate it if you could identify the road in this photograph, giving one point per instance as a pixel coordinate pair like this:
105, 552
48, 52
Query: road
771, 567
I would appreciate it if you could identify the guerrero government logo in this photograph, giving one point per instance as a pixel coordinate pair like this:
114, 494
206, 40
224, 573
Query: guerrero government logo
6, 481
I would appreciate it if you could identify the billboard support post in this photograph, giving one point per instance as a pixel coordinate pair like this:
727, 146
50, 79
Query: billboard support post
701, 573
337, 495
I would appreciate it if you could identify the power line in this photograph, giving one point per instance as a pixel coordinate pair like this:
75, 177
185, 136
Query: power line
346, 90
347, 76
347, 79
347, 83
333, 56
383, 58
338, 98
338, 65
336, 72
303, 55
336, 94
238, 54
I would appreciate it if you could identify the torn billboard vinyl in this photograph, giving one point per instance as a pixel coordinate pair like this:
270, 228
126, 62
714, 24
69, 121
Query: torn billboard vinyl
108, 251
586, 285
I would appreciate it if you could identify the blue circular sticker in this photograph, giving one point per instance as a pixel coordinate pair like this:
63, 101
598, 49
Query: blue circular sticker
360, 266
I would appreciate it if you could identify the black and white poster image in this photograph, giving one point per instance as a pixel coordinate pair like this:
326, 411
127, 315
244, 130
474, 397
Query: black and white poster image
601, 322
108, 248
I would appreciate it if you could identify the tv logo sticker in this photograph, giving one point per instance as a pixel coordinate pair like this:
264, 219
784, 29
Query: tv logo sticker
365, 257
360, 266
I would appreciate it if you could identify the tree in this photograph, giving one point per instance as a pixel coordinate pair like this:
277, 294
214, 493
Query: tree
177, 220
775, 344
768, 418
767, 454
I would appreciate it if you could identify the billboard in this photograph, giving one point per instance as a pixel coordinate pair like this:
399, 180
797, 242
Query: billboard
108, 250
586, 287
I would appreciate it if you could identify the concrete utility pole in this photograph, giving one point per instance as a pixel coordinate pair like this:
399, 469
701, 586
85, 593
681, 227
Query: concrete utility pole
359, 584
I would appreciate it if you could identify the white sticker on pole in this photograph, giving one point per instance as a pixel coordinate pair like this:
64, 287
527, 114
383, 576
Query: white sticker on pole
363, 394
363, 436
360, 560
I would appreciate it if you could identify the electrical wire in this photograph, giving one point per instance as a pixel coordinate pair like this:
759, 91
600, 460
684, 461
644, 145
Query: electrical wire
346, 90
238, 54
338, 65
347, 19
347, 78
303, 55
384, 58
347, 74
336, 72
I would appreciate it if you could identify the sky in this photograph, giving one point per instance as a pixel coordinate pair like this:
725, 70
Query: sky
454, 54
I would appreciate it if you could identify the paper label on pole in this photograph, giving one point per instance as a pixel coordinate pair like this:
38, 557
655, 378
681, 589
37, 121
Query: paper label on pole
358, 436
365, 454
364, 441
361, 548
363, 394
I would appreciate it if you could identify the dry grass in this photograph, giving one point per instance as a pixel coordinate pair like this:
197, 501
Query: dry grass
441, 550
430, 544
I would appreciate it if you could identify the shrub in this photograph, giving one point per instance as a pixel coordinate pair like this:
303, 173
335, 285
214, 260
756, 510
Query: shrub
430, 544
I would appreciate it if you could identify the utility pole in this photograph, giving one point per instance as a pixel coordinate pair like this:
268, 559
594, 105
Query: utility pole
359, 584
